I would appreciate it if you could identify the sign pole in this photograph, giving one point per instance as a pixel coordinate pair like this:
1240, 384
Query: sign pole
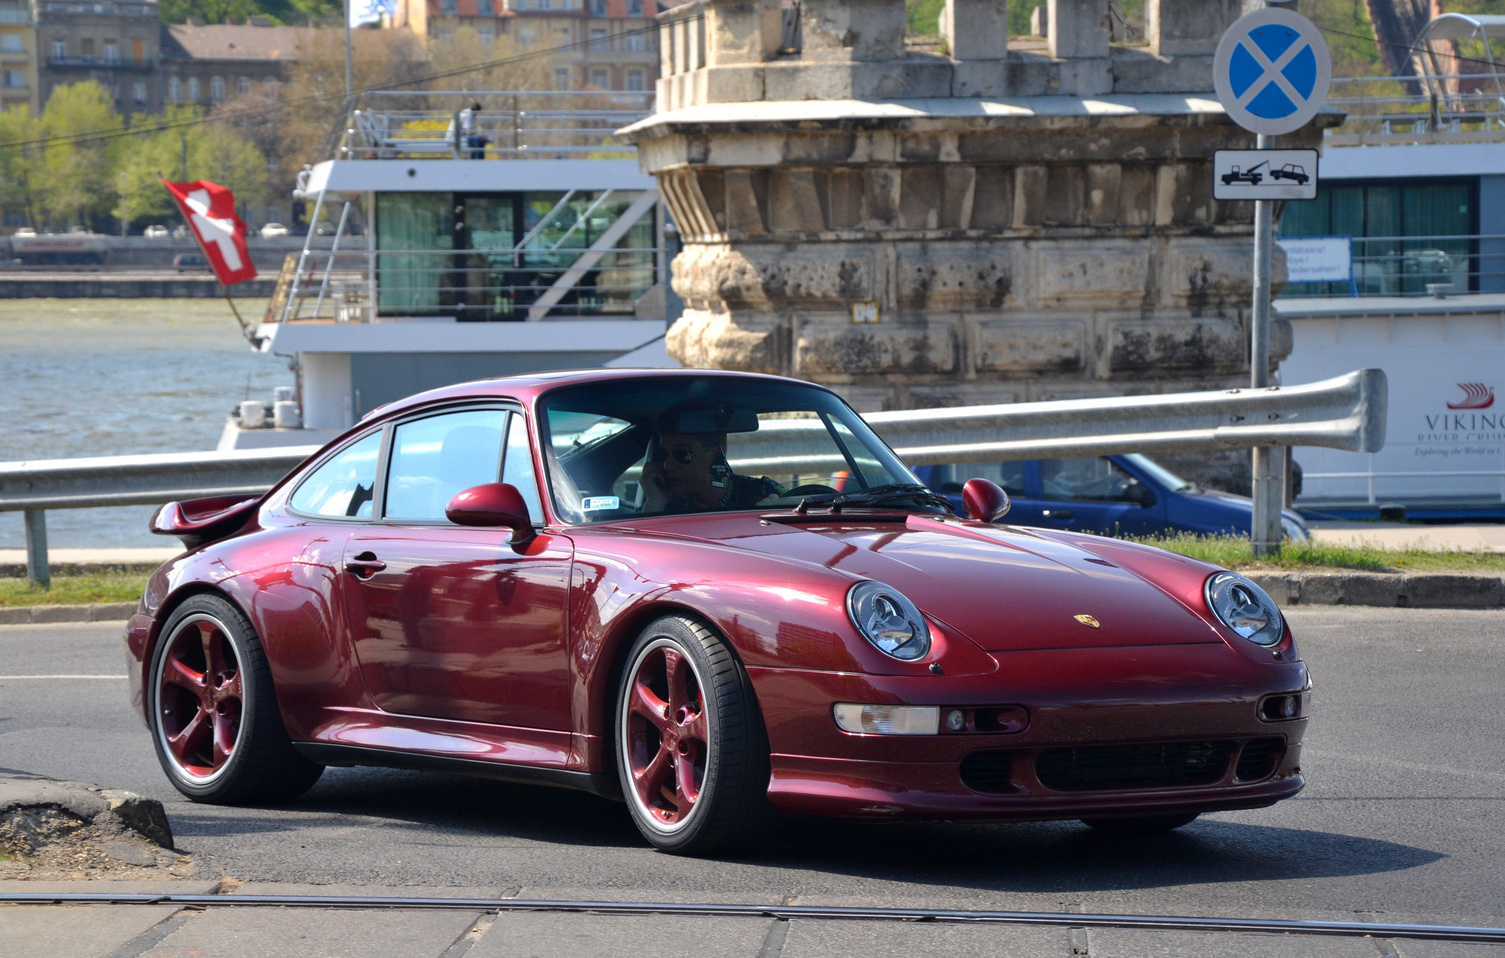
1266, 532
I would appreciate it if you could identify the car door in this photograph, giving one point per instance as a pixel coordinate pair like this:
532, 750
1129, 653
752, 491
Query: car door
1092, 494
453, 622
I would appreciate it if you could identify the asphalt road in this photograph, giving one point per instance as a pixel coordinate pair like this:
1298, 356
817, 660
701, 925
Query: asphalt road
1403, 819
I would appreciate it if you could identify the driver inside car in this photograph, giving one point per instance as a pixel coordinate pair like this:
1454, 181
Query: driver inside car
686, 468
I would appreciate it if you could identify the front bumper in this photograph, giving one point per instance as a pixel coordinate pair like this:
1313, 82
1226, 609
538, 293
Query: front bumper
1110, 732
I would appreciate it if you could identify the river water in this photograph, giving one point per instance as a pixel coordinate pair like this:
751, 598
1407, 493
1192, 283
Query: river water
100, 377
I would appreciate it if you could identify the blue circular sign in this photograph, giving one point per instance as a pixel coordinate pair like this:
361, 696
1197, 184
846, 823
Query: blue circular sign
1272, 71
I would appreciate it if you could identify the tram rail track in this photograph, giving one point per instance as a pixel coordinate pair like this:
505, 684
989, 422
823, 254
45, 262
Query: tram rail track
1348, 929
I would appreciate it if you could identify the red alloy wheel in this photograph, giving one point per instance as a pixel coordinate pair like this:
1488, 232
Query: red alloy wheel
200, 698
667, 733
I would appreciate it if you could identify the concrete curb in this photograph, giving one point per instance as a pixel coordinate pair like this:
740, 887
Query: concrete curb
39, 614
91, 804
1411, 590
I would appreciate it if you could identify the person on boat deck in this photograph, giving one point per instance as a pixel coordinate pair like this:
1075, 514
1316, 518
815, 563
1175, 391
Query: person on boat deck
470, 141
688, 471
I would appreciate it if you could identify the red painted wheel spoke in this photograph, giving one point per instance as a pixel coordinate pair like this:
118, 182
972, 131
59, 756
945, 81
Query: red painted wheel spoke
185, 744
231, 690
655, 775
684, 768
645, 702
224, 736
214, 649
176, 673
677, 672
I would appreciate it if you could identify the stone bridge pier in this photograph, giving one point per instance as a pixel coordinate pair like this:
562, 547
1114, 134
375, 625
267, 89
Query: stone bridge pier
1024, 218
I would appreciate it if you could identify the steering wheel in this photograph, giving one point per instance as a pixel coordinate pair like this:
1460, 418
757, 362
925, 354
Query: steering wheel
810, 489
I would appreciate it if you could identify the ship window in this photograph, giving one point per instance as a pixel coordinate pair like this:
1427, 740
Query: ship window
412, 232
1404, 236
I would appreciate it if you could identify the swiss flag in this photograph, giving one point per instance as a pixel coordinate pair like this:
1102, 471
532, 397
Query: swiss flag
209, 210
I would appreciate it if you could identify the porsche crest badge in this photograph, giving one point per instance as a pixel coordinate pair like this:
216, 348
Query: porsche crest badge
1088, 621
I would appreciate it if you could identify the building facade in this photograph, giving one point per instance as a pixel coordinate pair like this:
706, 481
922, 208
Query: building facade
602, 44
204, 64
18, 55
113, 42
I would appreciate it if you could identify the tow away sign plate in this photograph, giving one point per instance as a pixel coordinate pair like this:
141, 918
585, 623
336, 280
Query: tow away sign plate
1264, 175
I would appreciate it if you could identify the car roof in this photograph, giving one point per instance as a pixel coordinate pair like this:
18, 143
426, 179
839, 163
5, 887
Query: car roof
528, 387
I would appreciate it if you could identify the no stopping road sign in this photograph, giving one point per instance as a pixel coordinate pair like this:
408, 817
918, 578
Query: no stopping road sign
1272, 71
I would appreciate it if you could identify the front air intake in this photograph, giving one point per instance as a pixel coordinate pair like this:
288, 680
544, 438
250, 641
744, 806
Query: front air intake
1107, 767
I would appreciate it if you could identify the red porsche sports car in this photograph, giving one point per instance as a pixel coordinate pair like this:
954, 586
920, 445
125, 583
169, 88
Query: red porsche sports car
717, 596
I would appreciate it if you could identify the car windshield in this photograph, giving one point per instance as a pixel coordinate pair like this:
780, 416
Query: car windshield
667, 445
1161, 474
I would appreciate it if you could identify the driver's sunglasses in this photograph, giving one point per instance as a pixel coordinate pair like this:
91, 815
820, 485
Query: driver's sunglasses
681, 456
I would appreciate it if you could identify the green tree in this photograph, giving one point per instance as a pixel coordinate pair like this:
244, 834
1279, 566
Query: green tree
75, 181
21, 163
215, 152
280, 11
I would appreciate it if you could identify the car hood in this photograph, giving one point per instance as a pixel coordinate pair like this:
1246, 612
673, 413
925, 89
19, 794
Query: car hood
1004, 587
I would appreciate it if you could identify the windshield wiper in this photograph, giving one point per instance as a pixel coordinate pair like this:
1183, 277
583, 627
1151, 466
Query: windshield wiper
892, 492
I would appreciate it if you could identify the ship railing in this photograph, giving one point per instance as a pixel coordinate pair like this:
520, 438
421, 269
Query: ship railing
1430, 108
362, 286
1433, 265
509, 125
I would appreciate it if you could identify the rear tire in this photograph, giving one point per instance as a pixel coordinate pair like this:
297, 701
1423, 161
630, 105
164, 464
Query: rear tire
1149, 825
690, 748
213, 711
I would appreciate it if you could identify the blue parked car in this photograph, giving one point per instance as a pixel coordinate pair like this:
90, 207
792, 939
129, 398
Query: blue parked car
1107, 495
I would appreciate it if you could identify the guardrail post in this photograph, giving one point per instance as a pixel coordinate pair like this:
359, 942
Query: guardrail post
36, 548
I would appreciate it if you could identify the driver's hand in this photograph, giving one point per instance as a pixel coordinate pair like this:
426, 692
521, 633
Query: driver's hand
655, 487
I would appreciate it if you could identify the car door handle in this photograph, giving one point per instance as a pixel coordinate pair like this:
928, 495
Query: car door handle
1058, 513
364, 565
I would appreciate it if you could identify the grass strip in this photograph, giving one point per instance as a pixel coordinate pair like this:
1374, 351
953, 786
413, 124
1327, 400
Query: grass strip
1232, 552
74, 589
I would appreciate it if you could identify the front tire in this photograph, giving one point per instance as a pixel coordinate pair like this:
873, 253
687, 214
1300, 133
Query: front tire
690, 748
214, 716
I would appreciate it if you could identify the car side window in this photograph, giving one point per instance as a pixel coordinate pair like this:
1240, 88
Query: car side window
342, 486
436, 457
1090, 477
518, 466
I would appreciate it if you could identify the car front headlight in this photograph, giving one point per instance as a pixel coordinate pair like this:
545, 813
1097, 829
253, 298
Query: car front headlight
1245, 608
888, 620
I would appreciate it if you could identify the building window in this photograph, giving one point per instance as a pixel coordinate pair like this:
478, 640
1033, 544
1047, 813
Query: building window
138, 92
193, 88
485, 8
14, 218
216, 88
598, 8
60, 49
86, 48
635, 41
447, 8
601, 78
527, 37
598, 39
14, 78
174, 88
635, 81
634, 8
243, 85
488, 35
10, 43
112, 53
545, 4
561, 78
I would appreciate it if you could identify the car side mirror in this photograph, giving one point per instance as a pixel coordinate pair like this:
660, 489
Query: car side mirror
492, 504
1136, 491
984, 500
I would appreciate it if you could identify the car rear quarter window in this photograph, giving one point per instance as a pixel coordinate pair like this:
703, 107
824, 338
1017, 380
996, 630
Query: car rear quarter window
437, 457
342, 486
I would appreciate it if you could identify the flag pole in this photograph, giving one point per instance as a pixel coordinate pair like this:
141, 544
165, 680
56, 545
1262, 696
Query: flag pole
349, 81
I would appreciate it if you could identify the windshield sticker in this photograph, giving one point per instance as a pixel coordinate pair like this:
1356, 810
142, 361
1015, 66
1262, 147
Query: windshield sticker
600, 503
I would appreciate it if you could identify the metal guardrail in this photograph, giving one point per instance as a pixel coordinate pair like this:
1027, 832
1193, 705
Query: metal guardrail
1347, 412
1431, 108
